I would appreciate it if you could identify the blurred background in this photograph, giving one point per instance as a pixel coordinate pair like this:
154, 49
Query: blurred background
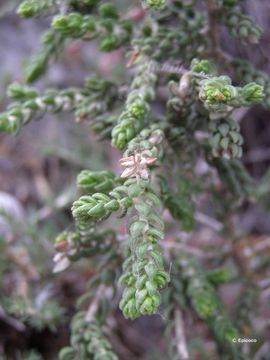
38, 172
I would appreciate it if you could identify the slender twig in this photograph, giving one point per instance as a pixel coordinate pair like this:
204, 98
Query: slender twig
264, 283
93, 307
189, 249
207, 220
262, 352
265, 294
180, 335
225, 251
262, 245
213, 33
257, 155
63, 7
16, 324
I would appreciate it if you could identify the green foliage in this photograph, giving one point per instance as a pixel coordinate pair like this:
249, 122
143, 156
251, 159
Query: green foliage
88, 337
206, 303
246, 72
220, 275
246, 306
235, 177
51, 44
179, 202
137, 110
30, 8
241, 26
217, 93
39, 316
29, 356
84, 102
144, 270
92, 181
225, 138
103, 26
155, 4
99, 206
30, 103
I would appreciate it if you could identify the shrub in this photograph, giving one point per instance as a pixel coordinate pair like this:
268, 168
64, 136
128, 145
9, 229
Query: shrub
181, 90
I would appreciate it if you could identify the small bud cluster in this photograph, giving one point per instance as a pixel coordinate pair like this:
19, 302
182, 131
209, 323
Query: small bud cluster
252, 93
246, 72
216, 91
200, 66
218, 94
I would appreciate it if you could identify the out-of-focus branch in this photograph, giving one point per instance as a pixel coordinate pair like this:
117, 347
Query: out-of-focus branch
94, 304
207, 220
180, 335
212, 26
16, 324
